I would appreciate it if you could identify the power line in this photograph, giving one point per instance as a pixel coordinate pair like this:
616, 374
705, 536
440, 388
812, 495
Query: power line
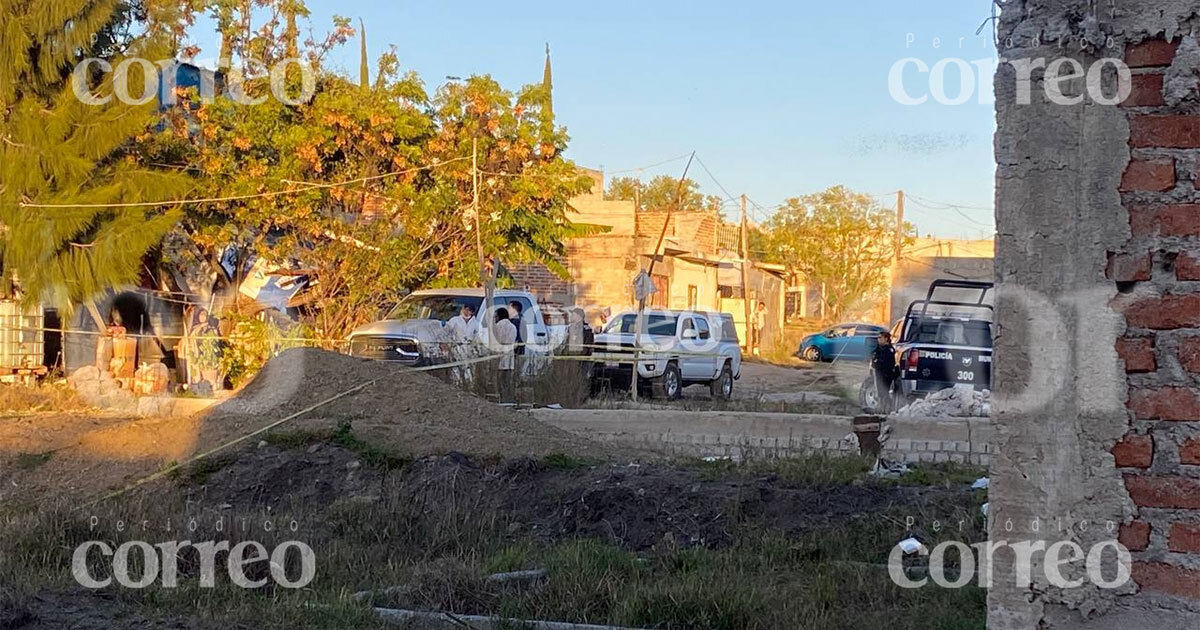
949, 205
714, 179
956, 209
642, 168
275, 193
766, 214
934, 267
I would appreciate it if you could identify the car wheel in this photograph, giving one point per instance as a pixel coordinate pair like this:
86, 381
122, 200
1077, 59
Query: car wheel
722, 387
868, 397
812, 353
669, 385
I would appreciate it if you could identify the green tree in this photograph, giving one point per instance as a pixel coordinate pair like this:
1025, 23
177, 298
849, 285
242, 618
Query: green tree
382, 188
625, 189
660, 192
840, 240
56, 150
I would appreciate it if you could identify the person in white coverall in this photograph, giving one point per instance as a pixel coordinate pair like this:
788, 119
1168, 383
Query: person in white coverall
464, 325
461, 331
504, 336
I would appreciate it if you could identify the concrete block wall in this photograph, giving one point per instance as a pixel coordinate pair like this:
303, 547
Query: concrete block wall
741, 434
752, 446
1157, 269
740, 446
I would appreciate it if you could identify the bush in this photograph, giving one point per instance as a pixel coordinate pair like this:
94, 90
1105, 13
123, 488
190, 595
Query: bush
253, 341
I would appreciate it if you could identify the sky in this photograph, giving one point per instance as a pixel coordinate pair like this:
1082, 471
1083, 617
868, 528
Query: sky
777, 98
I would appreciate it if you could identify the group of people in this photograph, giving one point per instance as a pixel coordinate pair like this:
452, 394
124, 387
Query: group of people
506, 326
507, 332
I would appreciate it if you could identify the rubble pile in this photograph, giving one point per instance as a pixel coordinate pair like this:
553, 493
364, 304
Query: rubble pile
100, 389
950, 403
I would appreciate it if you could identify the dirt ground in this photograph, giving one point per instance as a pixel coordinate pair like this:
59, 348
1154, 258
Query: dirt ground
419, 513
633, 505
83, 453
796, 387
389, 471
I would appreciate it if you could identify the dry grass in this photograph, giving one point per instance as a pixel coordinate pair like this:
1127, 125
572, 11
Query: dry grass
52, 396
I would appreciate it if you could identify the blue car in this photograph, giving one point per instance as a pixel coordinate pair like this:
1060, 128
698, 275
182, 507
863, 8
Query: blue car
844, 341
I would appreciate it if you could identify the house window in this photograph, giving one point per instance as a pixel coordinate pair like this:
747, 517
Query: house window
693, 296
795, 306
662, 297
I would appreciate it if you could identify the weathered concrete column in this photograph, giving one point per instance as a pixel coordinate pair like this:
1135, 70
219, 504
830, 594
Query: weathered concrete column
1069, 268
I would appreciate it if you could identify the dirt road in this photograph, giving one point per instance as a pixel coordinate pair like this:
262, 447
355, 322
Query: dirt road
816, 381
798, 388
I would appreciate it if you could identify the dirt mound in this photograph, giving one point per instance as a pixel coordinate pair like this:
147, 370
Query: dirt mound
409, 413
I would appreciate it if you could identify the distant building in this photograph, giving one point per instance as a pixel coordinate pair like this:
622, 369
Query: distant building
694, 268
181, 75
929, 259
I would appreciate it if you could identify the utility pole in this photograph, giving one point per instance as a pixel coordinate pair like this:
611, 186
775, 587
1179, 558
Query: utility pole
485, 279
745, 247
641, 313
897, 245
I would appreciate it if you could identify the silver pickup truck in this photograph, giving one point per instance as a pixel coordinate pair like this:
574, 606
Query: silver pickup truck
415, 333
675, 349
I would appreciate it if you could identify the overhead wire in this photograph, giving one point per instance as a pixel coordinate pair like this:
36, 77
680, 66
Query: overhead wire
714, 179
947, 204
925, 203
275, 193
649, 166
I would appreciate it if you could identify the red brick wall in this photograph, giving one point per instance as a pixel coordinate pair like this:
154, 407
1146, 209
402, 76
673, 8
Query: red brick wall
650, 223
546, 285
1160, 456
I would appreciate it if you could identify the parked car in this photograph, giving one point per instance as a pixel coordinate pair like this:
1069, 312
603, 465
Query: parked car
675, 349
413, 332
941, 344
844, 341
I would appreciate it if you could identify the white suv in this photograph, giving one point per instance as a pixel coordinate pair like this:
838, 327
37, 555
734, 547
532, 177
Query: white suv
675, 349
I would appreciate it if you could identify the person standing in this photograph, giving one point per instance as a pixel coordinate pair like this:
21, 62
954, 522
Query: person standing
464, 325
504, 335
758, 322
883, 367
515, 314
460, 332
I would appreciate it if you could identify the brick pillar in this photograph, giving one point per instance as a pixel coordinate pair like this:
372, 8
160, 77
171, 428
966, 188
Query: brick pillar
1098, 241
1157, 268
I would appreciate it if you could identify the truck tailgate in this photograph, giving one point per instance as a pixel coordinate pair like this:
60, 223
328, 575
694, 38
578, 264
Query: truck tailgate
941, 367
